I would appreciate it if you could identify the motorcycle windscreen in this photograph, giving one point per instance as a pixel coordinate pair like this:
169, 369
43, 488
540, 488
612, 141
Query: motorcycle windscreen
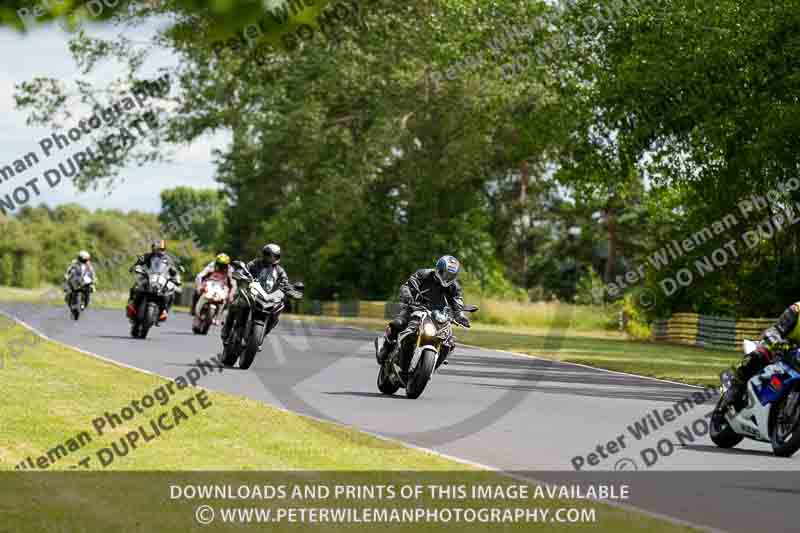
267, 278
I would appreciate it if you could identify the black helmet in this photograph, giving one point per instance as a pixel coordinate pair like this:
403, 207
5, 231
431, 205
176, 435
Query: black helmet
271, 254
447, 268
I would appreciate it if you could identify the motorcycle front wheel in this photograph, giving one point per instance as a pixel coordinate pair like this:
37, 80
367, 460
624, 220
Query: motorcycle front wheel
421, 375
147, 319
721, 432
784, 424
253, 344
75, 305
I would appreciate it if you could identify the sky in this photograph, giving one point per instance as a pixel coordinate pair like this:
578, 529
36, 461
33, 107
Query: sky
43, 52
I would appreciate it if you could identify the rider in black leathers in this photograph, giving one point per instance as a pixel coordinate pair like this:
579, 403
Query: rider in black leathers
432, 287
267, 271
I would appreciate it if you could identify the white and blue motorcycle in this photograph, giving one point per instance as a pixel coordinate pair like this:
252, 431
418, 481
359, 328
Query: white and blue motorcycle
769, 410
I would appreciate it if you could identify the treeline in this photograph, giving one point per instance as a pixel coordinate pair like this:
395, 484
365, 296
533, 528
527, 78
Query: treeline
553, 166
37, 245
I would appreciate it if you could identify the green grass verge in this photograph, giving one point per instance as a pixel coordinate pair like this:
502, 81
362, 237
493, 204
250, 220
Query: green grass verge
545, 315
53, 393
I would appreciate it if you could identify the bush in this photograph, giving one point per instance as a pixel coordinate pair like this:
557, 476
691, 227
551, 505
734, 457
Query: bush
637, 324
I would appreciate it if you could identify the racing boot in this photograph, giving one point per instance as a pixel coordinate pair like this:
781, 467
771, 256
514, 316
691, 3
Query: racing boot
752, 364
130, 310
195, 298
386, 348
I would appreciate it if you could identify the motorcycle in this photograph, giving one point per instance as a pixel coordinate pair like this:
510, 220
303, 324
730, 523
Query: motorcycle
213, 295
79, 285
769, 410
418, 353
254, 307
154, 284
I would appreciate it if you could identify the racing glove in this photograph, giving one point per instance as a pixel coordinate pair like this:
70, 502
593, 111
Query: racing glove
463, 321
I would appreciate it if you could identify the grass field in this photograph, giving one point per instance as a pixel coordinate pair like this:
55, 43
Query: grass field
53, 394
546, 315
53, 296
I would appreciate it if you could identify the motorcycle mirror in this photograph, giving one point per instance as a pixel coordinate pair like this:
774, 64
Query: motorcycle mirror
470, 308
239, 265
299, 286
183, 270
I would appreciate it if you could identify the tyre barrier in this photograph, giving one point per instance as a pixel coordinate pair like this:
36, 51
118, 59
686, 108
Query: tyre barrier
709, 331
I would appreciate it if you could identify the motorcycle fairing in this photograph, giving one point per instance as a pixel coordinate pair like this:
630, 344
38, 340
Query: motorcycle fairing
762, 393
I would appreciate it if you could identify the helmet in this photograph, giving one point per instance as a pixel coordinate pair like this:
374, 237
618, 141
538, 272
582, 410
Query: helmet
271, 253
83, 256
222, 261
159, 245
447, 268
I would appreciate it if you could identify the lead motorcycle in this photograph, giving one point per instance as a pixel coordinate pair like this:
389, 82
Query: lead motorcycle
155, 283
769, 409
79, 285
254, 306
420, 350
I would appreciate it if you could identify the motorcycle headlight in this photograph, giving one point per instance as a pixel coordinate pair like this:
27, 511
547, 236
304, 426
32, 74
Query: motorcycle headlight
428, 329
440, 316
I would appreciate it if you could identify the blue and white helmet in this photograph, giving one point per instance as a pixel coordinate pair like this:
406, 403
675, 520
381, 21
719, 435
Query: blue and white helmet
447, 268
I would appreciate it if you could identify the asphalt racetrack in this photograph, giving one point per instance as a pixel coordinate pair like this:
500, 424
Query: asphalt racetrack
505, 411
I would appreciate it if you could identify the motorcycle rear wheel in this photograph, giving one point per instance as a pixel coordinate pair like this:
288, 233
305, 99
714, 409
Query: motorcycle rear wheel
230, 351
784, 427
385, 384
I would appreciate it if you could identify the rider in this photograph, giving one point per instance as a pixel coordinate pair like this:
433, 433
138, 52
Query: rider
272, 277
221, 265
438, 287
158, 248
778, 338
84, 258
